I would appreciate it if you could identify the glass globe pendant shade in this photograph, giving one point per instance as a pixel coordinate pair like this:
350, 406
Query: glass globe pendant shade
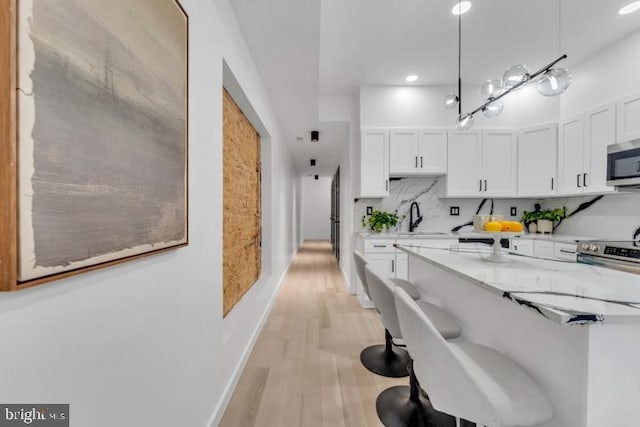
464, 122
491, 89
515, 75
450, 101
554, 82
493, 110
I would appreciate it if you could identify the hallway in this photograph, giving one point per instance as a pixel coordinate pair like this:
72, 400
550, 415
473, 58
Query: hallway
305, 369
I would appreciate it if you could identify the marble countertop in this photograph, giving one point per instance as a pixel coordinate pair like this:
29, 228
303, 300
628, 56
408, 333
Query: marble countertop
406, 235
562, 238
565, 292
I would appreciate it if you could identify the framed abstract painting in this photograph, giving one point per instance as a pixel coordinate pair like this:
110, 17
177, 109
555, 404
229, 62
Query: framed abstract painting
100, 127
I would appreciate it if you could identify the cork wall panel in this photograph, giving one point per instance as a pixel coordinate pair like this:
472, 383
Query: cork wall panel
8, 159
241, 204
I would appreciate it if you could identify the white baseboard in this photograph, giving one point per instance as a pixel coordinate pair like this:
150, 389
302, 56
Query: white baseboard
237, 373
346, 281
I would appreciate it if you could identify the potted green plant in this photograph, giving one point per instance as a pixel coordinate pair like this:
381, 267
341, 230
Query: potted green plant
544, 219
380, 220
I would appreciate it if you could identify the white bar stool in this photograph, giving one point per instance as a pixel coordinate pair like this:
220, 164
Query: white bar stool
402, 406
472, 382
384, 359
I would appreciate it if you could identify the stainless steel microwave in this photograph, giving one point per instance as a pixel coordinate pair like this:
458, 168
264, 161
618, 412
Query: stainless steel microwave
623, 164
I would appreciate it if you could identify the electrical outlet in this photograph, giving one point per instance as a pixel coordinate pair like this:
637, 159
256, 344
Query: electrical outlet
514, 211
369, 210
454, 211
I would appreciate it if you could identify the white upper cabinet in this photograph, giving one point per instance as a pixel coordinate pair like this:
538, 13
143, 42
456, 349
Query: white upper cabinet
571, 156
600, 131
537, 160
628, 122
374, 163
463, 166
417, 152
481, 164
432, 151
582, 151
498, 163
403, 153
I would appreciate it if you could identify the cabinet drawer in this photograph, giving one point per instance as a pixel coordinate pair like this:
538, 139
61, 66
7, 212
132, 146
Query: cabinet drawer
545, 250
566, 251
379, 246
522, 247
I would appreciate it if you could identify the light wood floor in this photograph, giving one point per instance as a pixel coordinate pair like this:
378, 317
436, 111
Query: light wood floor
305, 369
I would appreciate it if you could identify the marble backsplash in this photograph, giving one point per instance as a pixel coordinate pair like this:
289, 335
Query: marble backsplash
614, 216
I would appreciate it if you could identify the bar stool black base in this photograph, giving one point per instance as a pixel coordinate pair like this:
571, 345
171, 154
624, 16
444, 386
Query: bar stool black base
380, 360
386, 359
396, 409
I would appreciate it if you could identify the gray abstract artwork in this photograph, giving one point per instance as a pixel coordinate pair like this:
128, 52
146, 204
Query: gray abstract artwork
102, 131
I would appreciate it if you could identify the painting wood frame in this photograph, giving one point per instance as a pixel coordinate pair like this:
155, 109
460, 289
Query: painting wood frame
9, 159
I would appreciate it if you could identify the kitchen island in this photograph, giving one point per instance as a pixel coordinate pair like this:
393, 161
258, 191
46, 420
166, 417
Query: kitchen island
574, 328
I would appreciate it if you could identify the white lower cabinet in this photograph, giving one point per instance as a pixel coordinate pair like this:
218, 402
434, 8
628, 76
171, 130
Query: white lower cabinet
383, 264
402, 266
522, 247
543, 248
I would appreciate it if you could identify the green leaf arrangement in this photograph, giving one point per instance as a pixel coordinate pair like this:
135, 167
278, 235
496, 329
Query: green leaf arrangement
379, 220
553, 215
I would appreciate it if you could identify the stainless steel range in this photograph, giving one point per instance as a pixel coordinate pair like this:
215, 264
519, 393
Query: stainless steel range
619, 255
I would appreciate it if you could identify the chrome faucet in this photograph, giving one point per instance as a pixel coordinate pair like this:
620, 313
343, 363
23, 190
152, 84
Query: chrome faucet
413, 223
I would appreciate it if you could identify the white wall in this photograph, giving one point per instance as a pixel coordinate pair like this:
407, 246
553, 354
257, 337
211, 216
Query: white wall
316, 207
610, 74
421, 106
345, 109
144, 343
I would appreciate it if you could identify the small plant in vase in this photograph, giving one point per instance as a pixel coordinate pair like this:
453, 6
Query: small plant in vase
380, 220
544, 220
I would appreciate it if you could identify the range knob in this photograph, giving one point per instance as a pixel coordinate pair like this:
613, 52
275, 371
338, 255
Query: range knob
593, 247
584, 246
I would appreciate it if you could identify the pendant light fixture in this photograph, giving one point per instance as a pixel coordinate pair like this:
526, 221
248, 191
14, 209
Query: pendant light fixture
551, 82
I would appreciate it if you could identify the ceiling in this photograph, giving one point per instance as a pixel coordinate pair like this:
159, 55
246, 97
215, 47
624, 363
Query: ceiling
305, 49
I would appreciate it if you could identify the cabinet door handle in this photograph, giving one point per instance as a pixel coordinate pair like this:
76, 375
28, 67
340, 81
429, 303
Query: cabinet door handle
386, 185
416, 162
578, 181
421, 162
379, 246
584, 179
480, 181
565, 251
552, 182
393, 266
485, 185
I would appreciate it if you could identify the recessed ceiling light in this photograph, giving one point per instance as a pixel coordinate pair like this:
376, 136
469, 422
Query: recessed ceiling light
411, 78
630, 8
461, 8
